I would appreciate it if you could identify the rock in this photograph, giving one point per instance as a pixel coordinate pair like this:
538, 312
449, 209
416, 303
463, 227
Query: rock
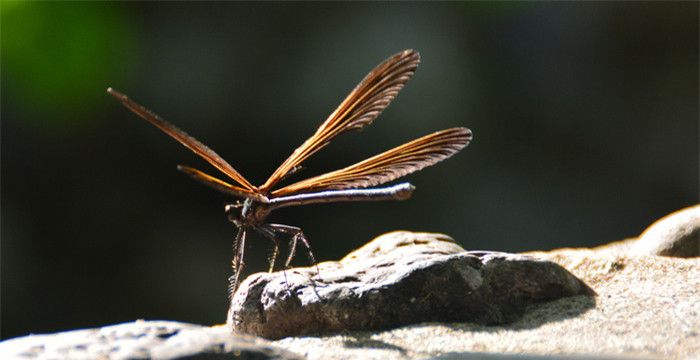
141, 340
647, 308
677, 234
398, 278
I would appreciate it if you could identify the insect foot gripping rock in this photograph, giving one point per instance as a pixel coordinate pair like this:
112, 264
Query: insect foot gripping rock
396, 279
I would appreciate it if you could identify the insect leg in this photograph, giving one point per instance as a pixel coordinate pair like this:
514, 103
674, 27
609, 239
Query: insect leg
297, 234
273, 258
238, 262
292, 251
270, 234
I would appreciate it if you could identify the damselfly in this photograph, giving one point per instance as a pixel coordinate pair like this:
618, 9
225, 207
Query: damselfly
353, 183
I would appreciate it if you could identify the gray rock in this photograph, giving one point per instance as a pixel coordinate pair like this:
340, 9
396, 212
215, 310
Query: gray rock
398, 278
143, 340
677, 235
647, 308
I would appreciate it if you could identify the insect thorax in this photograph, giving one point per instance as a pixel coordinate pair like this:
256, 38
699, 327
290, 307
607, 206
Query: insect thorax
246, 213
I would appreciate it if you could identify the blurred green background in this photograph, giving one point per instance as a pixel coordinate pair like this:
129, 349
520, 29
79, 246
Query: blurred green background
585, 121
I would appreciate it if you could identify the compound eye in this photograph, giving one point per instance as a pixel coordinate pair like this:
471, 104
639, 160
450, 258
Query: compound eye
233, 211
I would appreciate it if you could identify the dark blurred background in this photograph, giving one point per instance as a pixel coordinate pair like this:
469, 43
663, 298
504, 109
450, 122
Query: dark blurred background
585, 121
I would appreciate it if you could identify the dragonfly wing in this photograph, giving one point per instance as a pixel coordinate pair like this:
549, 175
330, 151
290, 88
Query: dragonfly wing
389, 165
369, 98
188, 141
220, 185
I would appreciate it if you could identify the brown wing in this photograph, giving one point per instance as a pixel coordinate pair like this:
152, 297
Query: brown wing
191, 143
389, 165
369, 98
220, 185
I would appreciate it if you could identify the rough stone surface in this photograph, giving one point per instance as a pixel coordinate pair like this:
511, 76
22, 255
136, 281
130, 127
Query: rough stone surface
143, 340
677, 234
398, 278
647, 308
